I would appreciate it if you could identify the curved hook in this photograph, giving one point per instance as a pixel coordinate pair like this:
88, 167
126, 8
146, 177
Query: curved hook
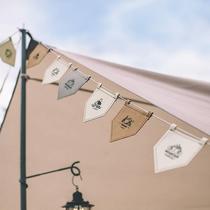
76, 172
73, 168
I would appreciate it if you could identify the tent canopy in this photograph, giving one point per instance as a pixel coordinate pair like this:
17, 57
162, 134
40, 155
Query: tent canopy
189, 100
116, 175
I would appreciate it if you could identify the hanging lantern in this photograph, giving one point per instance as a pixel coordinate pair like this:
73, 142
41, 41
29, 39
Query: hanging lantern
78, 203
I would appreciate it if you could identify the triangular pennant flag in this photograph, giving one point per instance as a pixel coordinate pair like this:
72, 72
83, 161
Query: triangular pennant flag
128, 122
71, 82
56, 70
99, 103
31, 46
175, 149
37, 55
8, 52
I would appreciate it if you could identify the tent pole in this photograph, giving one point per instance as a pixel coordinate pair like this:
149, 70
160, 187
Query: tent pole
23, 184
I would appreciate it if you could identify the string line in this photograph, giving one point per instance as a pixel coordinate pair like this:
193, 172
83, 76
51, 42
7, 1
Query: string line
125, 99
5, 40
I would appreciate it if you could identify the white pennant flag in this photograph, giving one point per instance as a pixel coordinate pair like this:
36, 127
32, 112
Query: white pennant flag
175, 149
56, 70
99, 103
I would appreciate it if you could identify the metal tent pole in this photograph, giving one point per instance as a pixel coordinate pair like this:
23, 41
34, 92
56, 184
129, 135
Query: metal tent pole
23, 184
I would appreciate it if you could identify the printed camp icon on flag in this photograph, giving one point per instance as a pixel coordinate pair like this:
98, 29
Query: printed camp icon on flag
128, 122
71, 82
99, 103
8, 52
175, 149
36, 53
56, 70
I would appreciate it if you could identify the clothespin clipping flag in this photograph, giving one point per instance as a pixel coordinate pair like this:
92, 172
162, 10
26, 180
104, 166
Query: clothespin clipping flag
71, 82
56, 70
99, 103
128, 122
175, 149
8, 52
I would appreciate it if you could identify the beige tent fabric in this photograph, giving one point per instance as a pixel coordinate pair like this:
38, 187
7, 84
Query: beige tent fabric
116, 175
8, 52
128, 122
37, 55
188, 100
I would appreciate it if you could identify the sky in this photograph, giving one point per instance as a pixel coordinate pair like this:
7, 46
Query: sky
165, 36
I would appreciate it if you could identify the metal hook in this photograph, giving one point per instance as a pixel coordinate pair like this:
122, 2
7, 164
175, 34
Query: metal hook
73, 182
75, 173
73, 168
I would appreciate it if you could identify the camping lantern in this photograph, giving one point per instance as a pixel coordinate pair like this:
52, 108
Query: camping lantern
78, 202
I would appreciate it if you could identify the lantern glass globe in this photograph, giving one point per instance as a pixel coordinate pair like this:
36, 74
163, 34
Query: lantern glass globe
79, 208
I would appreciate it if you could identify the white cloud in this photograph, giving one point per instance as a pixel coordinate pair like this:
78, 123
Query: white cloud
186, 59
118, 44
14, 14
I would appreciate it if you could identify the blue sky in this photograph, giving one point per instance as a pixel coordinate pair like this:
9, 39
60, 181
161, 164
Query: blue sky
167, 36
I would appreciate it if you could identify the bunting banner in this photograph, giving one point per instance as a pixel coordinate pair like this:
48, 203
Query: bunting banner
99, 103
128, 122
71, 82
175, 149
56, 70
36, 55
8, 52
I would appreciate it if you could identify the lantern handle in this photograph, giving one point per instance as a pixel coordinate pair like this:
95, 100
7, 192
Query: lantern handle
76, 172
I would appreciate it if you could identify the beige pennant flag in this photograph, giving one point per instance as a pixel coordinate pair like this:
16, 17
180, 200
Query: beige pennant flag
8, 52
37, 55
128, 122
